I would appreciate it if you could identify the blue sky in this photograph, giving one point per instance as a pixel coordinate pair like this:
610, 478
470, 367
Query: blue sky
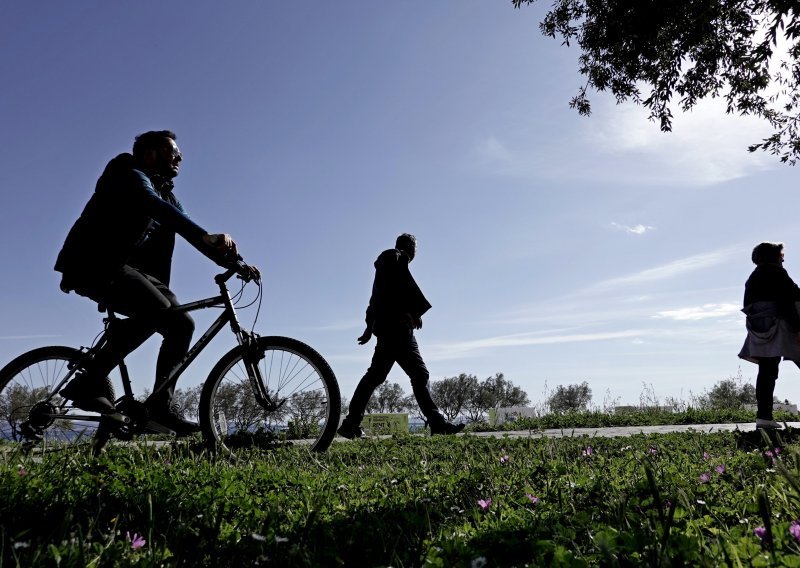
554, 248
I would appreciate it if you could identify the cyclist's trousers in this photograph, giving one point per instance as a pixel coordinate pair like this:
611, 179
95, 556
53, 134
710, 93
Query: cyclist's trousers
147, 302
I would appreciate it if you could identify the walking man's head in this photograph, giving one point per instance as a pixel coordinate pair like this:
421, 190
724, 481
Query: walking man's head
158, 153
768, 253
408, 244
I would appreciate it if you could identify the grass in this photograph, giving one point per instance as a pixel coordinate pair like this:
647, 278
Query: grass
675, 499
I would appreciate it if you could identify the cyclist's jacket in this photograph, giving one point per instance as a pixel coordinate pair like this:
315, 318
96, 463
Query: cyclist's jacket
395, 295
127, 221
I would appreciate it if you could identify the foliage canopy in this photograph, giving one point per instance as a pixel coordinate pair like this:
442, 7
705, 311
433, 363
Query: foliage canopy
657, 52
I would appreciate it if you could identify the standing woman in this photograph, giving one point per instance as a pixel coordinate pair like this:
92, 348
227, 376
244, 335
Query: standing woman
772, 324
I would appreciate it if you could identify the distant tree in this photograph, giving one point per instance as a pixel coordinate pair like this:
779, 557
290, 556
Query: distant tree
494, 392
570, 398
681, 51
187, 401
388, 397
452, 394
729, 393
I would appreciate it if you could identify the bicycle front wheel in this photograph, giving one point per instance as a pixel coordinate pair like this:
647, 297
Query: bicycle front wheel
32, 414
302, 404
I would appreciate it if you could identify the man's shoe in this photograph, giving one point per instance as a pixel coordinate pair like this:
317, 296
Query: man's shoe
171, 418
349, 431
446, 429
91, 395
762, 423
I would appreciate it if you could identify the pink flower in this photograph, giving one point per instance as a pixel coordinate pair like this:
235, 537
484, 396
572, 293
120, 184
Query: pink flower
706, 456
588, 451
137, 541
532, 498
705, 478
769, 454
484, 504
720, 469
760, 532
794, 530
22, 472
777, 451
653, 451
504, 459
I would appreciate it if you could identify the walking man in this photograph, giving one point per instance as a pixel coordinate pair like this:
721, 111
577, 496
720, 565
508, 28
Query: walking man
395, 310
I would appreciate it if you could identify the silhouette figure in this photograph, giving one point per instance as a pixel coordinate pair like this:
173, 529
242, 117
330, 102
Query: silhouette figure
395, 310
772, 324
119, 254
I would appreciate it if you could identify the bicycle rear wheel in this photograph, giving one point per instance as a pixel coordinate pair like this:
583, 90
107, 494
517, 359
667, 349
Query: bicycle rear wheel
32, 415
305, 402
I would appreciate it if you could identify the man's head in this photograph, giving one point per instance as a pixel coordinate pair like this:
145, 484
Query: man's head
767, 253
158, 153
408, 244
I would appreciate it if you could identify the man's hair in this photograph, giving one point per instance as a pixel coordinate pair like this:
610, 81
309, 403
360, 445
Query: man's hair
765, 253
152, 140
406, 242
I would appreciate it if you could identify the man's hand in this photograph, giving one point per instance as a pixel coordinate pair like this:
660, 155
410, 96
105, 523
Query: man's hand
366, 336
222, 242
414, 321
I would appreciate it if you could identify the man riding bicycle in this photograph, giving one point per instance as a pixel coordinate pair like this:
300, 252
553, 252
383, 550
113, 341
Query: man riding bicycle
119, 254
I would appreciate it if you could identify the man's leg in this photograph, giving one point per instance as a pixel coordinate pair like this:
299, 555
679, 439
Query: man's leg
410, 360
382, 361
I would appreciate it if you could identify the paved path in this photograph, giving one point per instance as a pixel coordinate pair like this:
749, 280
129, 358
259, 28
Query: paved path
617, 431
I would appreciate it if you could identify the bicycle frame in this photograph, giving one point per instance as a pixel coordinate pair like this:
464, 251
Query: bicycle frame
228, 316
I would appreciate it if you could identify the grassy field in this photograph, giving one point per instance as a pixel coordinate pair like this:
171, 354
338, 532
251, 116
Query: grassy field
660, 500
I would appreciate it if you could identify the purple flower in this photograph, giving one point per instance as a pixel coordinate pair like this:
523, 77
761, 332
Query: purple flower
532, 498
22, 472
705, 478
588, 451
720, 469
777, 451
137, 541
769, 454
760, 532
484, 504
504, 459
706, 456
794, 530
653, 451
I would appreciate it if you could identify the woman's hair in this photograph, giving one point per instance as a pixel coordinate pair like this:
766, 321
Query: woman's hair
406, 242
765, 253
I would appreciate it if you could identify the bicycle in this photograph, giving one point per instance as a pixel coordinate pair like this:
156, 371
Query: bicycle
263, 390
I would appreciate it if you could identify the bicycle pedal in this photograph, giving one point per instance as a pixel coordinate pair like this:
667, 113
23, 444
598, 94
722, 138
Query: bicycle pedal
117, 417
159, 429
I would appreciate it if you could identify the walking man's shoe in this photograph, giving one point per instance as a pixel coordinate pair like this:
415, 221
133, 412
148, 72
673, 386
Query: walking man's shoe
446, 429
763, 423
349, 431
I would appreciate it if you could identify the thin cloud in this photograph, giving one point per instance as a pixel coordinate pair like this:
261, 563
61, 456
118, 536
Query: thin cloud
670, 270
696, 313
706, 146
464, 348
4, 337
634, 230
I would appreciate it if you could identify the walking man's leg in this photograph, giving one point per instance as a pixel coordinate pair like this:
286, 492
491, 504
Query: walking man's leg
382, 361
410, 360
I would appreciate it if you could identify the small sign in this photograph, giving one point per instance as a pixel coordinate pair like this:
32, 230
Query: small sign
378, 424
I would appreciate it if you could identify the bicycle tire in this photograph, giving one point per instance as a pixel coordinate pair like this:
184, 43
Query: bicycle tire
295, 374
25, 384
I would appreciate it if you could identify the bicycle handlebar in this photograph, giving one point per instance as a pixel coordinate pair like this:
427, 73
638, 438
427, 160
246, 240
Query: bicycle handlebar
239, 268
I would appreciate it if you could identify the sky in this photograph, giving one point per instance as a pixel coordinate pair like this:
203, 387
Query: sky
554, 248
